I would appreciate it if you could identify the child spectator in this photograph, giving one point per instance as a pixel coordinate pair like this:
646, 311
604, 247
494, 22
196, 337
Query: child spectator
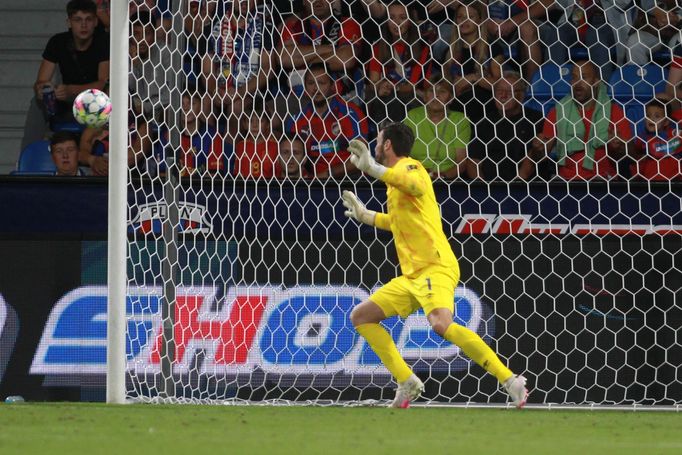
256, 155
658, 150
441, 137
293, 161
64, 151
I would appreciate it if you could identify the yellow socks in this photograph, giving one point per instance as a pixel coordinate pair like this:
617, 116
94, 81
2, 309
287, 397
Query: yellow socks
471, 344
384, 347
476, 349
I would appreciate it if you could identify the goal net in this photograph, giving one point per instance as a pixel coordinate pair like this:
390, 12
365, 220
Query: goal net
242, 271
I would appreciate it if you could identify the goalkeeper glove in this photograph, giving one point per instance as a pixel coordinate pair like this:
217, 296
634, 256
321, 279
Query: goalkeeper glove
357, 209
363, 160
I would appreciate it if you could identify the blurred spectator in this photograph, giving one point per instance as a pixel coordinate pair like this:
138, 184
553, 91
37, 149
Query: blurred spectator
94, 146
198, 26
82, 57
513, 22
256, 154
320, 35
596, 25
293, 161
657, 24
503, 137
94, 150
431, 12
588, 129
64, 151
425, 8
158, 11
673, 103
239, 62
429, 15
152, 76
673, 89
202, 149
375, 8
199, 18
104, 14
471, 62
658, 150
327, 124
441, 137
400, 62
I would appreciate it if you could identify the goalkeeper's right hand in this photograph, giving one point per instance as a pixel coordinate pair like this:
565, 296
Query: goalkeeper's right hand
357, 209
363, 160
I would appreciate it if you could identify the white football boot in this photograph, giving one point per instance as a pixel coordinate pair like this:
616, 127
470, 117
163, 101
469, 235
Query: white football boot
516, 388
407, 392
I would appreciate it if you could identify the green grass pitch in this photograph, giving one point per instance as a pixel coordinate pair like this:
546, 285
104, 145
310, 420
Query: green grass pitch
74, 428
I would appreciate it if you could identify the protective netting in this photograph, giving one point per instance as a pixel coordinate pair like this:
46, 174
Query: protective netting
243, 270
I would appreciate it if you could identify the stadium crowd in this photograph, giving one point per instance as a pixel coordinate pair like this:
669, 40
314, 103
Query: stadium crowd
278, 90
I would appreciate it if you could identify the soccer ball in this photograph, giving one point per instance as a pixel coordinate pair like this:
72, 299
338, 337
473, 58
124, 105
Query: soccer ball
92, 108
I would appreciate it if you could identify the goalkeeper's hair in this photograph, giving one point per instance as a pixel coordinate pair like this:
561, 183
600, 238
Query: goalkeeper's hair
401, 136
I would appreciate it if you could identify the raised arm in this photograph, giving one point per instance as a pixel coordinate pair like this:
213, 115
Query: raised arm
401, 177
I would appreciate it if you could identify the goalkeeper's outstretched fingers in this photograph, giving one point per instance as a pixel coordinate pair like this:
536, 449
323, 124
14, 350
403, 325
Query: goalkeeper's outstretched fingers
363, 159
357, 209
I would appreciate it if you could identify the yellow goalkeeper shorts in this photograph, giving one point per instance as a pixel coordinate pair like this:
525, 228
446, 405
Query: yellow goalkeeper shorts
433, 288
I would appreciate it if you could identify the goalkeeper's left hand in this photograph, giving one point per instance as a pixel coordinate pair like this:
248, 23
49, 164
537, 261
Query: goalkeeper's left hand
363, 160
357, 209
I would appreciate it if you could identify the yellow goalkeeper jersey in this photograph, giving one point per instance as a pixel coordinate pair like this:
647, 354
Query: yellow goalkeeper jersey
414, 218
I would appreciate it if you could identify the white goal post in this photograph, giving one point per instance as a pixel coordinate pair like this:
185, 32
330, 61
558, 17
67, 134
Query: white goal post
118, 212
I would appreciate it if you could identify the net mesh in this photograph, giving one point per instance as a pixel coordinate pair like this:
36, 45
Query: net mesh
242, 269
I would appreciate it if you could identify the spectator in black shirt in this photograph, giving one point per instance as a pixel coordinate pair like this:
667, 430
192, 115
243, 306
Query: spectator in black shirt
82, 57
503, 136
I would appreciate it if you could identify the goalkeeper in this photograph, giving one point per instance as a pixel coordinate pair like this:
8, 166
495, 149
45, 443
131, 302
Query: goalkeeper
429, 267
